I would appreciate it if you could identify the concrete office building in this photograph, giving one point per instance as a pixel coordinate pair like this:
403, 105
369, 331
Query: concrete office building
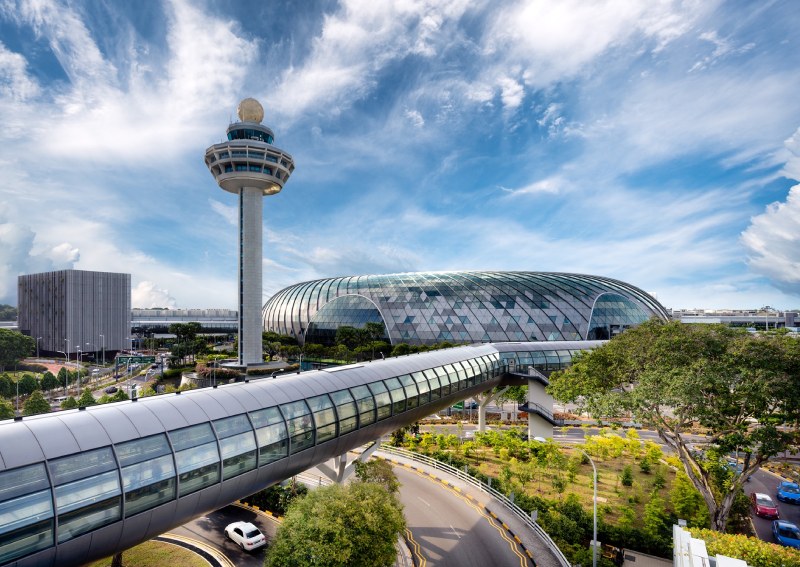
76, 312
248, 165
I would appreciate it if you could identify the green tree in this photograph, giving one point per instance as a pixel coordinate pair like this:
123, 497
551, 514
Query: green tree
378, 471
6, 409
69, 403
36, 404
7, 386
27, 384
86, 399
14, 347
339, 526
49, 381
734, 384
349, 337
8, 312
626, 478
63, 376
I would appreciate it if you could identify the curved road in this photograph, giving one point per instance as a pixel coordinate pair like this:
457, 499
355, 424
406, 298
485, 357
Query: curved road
447, 528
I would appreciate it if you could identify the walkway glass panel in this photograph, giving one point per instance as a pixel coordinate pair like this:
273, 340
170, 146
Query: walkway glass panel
366, 405
237, 444
148, 473
26, 512
87, 492
346, 410
273, 440
196, 456
383, 402
300, 425
324, 417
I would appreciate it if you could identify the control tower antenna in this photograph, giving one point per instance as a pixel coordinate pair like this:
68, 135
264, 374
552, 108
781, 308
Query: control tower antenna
249, 166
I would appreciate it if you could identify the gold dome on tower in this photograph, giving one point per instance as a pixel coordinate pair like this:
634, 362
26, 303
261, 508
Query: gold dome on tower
250, 110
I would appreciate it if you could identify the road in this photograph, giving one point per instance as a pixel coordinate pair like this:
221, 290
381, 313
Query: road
766, 482
447, 528
209, 529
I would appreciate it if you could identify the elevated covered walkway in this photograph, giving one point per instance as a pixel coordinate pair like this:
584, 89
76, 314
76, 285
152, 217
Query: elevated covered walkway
80, 485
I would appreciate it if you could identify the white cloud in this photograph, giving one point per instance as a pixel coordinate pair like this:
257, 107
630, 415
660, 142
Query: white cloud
773, 242
228, 212
551, 185
147, 295
15, 83
415, 118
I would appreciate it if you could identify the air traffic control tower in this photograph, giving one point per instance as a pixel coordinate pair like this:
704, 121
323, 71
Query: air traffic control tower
249, 166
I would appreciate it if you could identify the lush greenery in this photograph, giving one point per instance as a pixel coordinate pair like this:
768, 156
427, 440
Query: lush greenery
36, 404
641, 493
155, 554
353, 525
674, 377
755, 552
277, 497
14, 347
8, 312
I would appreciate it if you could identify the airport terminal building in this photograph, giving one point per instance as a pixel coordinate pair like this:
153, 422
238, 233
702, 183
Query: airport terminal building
462, 307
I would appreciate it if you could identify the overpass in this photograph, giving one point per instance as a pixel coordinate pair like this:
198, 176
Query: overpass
80, 485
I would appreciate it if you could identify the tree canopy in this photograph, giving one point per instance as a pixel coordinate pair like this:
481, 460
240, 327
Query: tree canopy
740, 388
355, 525
14, 347
36, 404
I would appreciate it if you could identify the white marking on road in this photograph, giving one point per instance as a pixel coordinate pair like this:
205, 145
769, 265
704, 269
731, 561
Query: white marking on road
455, 532
424, 502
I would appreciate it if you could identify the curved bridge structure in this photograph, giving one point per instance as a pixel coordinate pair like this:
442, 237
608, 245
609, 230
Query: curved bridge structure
83, 484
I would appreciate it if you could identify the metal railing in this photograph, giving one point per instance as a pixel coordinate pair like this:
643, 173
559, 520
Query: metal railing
513, 508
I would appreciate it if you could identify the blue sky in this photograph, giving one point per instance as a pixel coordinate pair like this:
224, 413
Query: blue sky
653, 142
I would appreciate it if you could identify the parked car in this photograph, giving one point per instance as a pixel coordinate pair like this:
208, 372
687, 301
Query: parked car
245, 535
789, 492
111, 390
786, 533
764, 506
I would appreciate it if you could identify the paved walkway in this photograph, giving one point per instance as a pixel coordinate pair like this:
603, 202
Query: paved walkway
537, 548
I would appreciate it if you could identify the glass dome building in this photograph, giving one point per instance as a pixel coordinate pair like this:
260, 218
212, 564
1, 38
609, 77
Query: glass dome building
462, 307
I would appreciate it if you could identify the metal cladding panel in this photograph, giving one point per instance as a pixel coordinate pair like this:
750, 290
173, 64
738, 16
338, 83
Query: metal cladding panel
189, 402
105, 540
186, 506
262, 394
272, 473
208, 500
54, 437
46, 557
243, 396
358, 376
163, 518
73, 552
19, 446
192, 410
276, 392
116, 423
135, 530
229, 400
89, 433
152, 417
236, 487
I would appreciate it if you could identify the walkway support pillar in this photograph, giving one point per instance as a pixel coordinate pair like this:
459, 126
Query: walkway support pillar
483, 401
539, 425
341, 470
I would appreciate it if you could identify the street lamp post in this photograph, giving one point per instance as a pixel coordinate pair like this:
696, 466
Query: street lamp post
78, 356
37, 346
103, 338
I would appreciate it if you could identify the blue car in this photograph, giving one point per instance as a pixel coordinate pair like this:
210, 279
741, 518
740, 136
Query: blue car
789, 492
786, 533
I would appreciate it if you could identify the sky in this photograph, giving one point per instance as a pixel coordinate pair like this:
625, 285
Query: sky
653, 142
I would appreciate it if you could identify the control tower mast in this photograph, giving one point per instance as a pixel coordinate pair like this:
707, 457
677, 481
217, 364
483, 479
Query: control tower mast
249, 166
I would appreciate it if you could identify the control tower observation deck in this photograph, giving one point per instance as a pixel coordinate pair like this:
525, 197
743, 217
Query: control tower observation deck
249, 166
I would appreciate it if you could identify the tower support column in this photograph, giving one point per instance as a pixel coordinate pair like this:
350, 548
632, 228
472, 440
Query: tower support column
250, 283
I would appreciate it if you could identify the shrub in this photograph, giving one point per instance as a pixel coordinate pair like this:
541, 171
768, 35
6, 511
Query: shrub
749, 549
626, 478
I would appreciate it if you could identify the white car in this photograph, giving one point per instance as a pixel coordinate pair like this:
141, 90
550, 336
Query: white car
245, 535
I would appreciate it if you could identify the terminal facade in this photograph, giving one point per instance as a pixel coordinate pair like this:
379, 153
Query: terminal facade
462, 307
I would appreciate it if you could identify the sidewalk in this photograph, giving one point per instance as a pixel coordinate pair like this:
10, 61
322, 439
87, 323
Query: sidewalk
537, 548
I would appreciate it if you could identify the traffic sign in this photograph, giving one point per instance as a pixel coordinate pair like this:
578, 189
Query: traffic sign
135, 359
